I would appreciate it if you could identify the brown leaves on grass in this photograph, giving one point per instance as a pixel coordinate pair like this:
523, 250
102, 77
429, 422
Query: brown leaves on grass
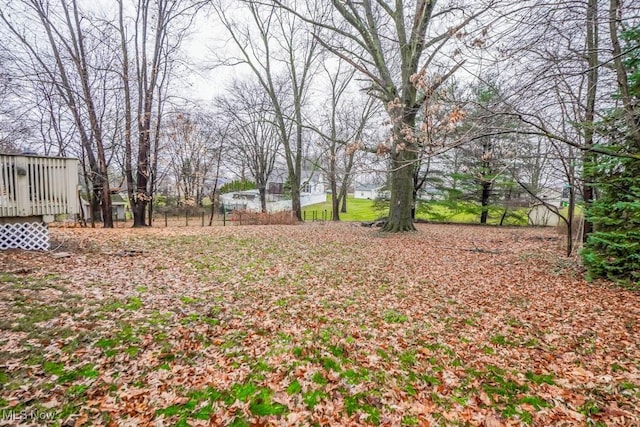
315, 324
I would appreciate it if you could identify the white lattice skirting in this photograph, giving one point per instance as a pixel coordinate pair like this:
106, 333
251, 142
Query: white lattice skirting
29, 236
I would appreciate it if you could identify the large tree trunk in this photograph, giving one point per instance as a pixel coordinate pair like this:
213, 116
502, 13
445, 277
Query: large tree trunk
142, 179
107, 218
401, 192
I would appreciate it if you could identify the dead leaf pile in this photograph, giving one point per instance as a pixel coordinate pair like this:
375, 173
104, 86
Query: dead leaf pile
313, 324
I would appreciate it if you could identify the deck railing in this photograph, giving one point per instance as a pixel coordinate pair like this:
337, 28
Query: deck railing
37, 186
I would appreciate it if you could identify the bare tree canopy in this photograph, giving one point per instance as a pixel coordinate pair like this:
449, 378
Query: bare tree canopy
406, 49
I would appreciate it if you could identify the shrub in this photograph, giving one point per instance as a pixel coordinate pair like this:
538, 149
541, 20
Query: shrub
238, 185
260, 218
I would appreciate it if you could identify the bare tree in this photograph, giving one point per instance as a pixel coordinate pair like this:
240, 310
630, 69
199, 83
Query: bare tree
65, 65
192, 155
564, 90
148, 46
221, 132
344, 121
13, 130
396, 45
254, 132
616, 25
272, 43
590, 106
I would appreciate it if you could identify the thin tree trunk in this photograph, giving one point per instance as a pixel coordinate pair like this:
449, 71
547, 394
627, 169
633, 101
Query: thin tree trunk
592, 85
344, 185
621, 71
262, 191
506, 207
484, 201
335, 198
572, 207
215, 186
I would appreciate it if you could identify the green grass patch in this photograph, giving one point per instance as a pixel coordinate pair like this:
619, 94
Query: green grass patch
64, 376
392, 316
364, 403
189, 300
132, 303
53, 368
199, 405
356, 376
357, 210
437, 211
313, 397
294, 387
262, 405
125, 340
318, 378
539, 379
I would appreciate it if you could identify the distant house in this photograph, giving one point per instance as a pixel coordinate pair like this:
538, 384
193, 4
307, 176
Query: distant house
118, 208
544, 211
312, 191
371, 191
542, 215
311, 182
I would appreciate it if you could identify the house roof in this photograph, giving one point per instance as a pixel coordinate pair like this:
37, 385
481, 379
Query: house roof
369, 187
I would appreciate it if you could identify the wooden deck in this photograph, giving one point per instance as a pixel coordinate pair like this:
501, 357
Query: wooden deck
36, 186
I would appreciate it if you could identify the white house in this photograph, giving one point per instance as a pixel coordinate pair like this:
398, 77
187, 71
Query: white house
541, 215
119, 207
544, 211
371, 191
313, 190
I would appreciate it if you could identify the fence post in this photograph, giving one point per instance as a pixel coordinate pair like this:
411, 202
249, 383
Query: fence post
203, 219
224, 218
304, 215
186, 216
166, 224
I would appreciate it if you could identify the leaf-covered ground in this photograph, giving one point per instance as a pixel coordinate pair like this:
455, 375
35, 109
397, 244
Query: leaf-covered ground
317, 324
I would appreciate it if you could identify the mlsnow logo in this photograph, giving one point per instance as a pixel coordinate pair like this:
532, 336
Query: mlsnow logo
24, 415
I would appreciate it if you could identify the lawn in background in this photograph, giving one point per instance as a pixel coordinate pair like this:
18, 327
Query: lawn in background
436, 211
357, 210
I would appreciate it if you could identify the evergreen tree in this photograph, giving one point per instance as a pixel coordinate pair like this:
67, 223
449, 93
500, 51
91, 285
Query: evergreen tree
482, 183
612, 251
